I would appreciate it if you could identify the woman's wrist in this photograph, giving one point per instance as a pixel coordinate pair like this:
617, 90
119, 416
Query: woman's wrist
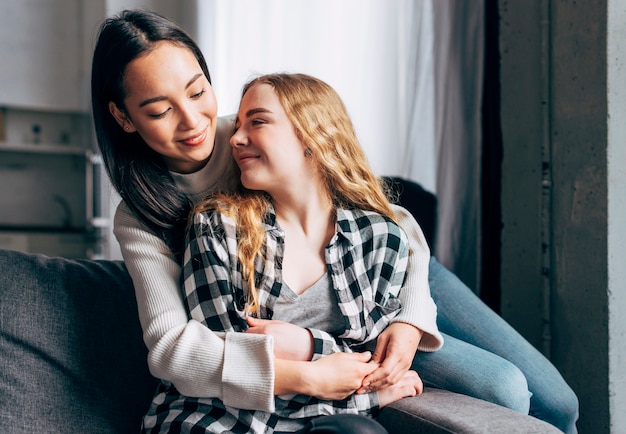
293, 377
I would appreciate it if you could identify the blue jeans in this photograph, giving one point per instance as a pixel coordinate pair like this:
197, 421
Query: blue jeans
484, 357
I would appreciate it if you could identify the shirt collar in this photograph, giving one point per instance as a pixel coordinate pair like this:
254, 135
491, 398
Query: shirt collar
347, 225
270, 224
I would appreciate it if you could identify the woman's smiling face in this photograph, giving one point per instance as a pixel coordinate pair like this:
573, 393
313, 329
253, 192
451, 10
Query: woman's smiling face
265, 145
171, 105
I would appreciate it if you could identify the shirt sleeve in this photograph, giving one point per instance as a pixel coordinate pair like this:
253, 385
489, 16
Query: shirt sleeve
237, 368
325, 344
302, 406
418, 307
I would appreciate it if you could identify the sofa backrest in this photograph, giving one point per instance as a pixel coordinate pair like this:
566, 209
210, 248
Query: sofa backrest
421, 203
72, 358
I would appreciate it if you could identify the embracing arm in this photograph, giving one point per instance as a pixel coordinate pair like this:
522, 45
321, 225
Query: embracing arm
196, 360
418, 307
416, 325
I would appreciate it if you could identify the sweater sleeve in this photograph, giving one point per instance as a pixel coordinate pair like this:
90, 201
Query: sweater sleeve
237, 368
418, 307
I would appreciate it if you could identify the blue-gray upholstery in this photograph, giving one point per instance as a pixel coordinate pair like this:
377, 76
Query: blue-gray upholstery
72, 359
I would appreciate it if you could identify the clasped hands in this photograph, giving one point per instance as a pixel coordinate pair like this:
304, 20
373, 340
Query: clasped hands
341, 374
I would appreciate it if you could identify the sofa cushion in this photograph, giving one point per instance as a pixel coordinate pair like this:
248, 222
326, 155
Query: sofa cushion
72, 358
439, 411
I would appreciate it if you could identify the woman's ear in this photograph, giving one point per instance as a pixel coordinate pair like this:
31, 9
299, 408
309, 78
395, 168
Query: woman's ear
121, 118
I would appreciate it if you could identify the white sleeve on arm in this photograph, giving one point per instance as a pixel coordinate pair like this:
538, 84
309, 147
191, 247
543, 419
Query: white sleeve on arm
237, 368
418, 307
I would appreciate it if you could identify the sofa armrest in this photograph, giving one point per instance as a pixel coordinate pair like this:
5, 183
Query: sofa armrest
438, 411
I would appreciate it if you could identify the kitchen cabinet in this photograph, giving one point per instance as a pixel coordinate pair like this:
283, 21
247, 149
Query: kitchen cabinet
48, 203
54, 195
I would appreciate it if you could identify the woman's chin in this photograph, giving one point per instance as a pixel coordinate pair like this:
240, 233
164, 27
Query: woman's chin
250, 184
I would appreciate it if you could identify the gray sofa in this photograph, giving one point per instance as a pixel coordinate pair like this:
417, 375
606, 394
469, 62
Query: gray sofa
72, 359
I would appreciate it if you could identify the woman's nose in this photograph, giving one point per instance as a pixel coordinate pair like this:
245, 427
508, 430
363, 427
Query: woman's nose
238, 138
189, 117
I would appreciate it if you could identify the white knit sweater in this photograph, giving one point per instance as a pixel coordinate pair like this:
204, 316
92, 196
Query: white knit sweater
238, 368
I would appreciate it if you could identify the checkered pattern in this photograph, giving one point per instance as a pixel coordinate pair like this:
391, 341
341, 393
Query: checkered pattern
366, 260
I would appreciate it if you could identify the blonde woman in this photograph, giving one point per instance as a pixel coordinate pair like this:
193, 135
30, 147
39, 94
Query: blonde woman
309, 239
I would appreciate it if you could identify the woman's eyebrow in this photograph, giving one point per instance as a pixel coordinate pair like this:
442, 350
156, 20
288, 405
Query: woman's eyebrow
161, 98
151, 100
254, 111
194, 78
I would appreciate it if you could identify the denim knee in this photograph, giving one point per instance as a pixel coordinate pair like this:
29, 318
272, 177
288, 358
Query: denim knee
569, 412
561, 411
509, 390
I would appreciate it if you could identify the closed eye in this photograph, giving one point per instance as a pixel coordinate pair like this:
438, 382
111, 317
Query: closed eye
198, 95
159, 115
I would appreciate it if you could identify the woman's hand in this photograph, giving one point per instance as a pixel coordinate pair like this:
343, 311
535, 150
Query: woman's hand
291, 342
333, 377
395, 349
339, 375
410, 384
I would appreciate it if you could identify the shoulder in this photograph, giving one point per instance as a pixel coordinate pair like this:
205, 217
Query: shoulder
368, 225
362, 219
125, 219
122, 212
135, 239
212, 223
210, 218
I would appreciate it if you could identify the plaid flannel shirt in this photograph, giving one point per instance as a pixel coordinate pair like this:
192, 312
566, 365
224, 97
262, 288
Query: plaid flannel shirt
366, 260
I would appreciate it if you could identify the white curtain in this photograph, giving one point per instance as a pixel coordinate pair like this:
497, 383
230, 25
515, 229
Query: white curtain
409, 72
458, 78
354, 45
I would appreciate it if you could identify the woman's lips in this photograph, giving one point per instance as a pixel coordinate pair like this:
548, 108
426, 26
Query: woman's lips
195, 140
243, 158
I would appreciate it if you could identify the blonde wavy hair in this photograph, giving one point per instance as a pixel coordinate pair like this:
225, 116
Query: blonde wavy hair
322, 124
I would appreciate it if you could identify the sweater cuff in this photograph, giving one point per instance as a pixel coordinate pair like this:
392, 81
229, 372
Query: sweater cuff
248, 372
422, 314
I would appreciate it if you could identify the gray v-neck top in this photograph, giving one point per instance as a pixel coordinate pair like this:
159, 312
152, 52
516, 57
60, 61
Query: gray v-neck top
317, 307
